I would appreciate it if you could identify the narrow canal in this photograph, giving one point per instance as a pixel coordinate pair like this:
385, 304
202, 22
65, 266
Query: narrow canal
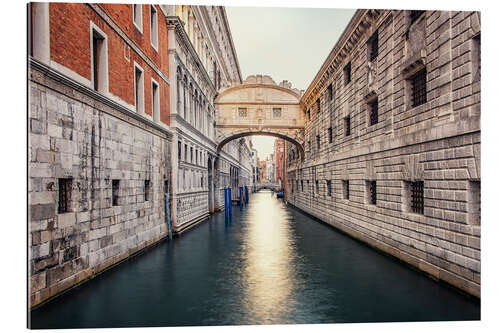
270, 265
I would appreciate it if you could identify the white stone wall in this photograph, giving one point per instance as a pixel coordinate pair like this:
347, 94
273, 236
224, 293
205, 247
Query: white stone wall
73, 135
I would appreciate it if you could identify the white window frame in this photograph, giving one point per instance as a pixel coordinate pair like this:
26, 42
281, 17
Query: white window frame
103, 67
140, 99
155, 101
153, 29
137, 20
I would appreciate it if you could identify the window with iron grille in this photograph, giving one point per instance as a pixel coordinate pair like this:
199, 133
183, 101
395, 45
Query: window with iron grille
64, 195
317, 187
318, 105
373, 111
330, 135
474, 202
417, 197
418, 88
347, 73
347, 125
329, 187
302, 185
414, 15
308, 114
242, 112
147, 188
373, 46
276, 112
115, 188
371, 191
330, 92
345, 189
318, 141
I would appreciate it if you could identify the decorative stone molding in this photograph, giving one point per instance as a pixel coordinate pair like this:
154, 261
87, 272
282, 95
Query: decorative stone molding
412, 169
414, 63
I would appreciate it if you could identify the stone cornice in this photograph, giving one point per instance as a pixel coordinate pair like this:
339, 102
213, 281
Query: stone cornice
347, 42
174, 22
228, 29
113, 25
122, 112
258, 85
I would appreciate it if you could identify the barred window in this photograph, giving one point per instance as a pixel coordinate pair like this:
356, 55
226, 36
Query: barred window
373, 106
330, 92
417, 197
373, 46
329, 187
147, 188
345, 189
317, 187
318, 105
330, 135
276, 112
347, 125
115, 187
347, 73
371, 192
414, 15
418, 88
318, 141
242, 112
308, 114
64, 195
302, 185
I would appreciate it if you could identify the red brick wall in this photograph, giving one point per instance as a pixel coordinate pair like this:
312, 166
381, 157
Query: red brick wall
70, 47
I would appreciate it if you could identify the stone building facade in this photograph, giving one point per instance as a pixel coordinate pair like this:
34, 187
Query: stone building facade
98, 139
203, 61
392, 140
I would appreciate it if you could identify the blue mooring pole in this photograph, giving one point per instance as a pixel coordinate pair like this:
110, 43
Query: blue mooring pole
225, 202
167, 217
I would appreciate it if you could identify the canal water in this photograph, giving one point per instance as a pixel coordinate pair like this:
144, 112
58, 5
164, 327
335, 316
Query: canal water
271, 264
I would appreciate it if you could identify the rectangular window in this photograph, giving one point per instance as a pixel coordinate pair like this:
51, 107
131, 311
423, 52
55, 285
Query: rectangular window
318, 141
139, 89
417, 197
347, 73
474, 202
153, 27
115, 188
418, 88
318, 105
371, 192
242, 112
329, 187
191, 154
65, 185
347, 125
414, 15
155, 101
345, 189
373, 46
317, 187
98, 61
185, 152
308, 114
137, 16
179, 148
276, 112
373, 106
330, 92
147, 188
302, 185
330, 135
196, 154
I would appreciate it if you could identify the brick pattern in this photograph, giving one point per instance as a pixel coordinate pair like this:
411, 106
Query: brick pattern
70, 138
437, 142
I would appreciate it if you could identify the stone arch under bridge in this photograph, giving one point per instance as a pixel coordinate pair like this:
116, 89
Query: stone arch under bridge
259, 106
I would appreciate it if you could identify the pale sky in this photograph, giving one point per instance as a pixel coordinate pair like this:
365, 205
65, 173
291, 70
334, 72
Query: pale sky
285, 43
